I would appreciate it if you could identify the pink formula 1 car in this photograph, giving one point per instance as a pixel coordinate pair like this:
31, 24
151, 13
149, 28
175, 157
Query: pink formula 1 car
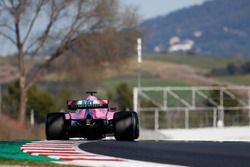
91, 119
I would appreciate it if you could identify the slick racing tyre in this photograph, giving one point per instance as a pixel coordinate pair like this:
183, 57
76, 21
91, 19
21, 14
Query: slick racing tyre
126, 125
56, 126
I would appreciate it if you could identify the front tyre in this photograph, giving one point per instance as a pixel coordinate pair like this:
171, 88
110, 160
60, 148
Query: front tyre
56, 126
126, 125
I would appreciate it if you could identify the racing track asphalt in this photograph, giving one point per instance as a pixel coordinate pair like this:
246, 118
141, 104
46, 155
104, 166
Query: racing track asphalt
196, 154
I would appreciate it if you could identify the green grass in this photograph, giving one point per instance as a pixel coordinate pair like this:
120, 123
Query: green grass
10, 162
238, 79
10, 154
202, 62
11, 150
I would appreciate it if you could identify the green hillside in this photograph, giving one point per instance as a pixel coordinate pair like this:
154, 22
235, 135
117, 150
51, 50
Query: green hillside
218, 27
153, 69
206, 63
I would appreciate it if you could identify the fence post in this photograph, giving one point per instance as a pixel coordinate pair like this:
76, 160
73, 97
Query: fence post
165, 99
135, 99
248, 102
156, 119
32, 118
214, 117
221, 108
186, 118
220, 122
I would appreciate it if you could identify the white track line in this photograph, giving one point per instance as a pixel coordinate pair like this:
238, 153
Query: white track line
63, 154
47, 144
44, 151
50, 148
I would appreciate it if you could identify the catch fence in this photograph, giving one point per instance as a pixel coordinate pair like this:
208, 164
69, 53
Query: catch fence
192, 107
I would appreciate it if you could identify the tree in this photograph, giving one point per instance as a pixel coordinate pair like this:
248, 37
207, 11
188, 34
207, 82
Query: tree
124, 96
112, 47
38, 100
50, 28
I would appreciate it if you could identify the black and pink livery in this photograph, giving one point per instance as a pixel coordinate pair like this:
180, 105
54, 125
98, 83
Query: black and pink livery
92, 119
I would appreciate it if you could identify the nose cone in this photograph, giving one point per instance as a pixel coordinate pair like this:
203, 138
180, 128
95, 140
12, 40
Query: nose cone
91, 97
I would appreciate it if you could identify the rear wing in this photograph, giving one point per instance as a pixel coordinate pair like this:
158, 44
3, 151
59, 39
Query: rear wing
86, 104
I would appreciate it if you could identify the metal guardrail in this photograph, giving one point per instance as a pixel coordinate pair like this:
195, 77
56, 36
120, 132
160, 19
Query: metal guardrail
219, 114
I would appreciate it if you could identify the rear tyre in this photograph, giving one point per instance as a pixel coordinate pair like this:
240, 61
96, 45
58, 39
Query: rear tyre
126, 125
56, 127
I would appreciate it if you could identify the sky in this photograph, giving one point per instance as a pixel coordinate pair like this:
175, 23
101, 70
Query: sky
152, 8
146, 9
